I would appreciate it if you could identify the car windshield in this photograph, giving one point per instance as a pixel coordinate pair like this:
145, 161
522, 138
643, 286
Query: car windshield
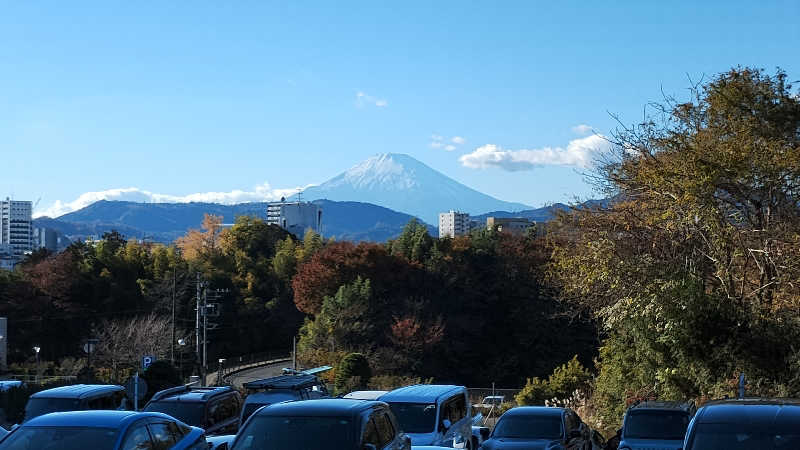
40, 406
415, 417
529, 427
740, 437
307, 433
655, 424
190, 413
60, 438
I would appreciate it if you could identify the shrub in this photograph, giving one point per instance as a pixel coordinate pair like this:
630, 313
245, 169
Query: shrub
353, 372
561, 384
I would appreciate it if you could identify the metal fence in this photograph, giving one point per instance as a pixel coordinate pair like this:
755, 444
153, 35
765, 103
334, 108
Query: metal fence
34, 379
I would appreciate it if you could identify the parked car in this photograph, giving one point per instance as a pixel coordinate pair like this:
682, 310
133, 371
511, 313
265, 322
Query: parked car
540, 427
322, 425
748, 424
364, 395
77, 397
104, 430
290, 387
659, 425
214, 409
5, 385
434, 414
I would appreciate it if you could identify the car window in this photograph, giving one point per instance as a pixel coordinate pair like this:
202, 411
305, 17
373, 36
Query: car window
163, 439
455, 409
102, 402
385, 429
177, 431
223, 409
137, 439
371, 434
570, 422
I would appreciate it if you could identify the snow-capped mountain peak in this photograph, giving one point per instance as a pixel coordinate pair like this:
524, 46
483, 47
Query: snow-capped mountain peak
402, 183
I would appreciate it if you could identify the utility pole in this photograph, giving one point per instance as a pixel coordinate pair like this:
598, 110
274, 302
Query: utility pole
197, 321
294, 352
172, 345
205, 335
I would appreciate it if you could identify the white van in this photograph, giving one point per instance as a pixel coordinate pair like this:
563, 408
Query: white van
433, 414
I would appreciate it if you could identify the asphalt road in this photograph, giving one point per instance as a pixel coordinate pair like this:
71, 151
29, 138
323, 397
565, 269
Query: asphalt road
258, 373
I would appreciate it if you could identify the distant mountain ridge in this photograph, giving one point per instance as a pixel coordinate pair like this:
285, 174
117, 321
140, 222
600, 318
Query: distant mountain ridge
165, 222
402, 183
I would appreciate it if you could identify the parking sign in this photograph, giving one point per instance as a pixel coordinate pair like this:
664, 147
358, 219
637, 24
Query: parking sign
147, 360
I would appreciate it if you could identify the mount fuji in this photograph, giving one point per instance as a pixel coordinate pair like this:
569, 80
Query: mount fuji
402, 183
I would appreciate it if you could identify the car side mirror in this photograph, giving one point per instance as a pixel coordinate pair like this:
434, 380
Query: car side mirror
368, 447
446, 424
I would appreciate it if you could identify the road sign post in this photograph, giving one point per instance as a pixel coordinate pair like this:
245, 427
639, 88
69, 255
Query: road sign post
147, 361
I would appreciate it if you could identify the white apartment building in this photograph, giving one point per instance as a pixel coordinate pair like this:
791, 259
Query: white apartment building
16, 226
295, 217
454, 223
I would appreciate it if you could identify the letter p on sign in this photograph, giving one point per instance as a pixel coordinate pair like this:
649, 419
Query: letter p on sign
147, 360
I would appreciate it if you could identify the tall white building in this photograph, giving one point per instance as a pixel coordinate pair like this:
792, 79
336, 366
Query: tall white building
454, 223
16, 226
295, 217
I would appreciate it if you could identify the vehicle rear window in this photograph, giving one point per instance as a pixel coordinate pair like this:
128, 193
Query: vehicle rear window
529, 427
654, 424
739, 437
307, 433
60, 438
415, 417
190, 413
40, 406
250, 408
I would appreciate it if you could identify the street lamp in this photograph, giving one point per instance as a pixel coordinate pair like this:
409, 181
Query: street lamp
37, 349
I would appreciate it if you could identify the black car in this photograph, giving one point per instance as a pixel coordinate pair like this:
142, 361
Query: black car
283, 388
746, 424
323, 424
539, 427
214, 409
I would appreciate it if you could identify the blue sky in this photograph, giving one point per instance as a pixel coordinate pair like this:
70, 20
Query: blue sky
178, 98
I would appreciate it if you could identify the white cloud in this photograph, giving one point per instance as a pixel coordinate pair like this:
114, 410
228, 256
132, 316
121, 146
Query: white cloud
262, 192
579, 152
363, 98
439, 141
582, 129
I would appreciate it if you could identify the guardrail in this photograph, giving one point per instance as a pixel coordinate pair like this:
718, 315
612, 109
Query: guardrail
233, 365
34, 379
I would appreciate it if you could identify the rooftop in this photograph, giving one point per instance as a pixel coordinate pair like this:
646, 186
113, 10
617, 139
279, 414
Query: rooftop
98, 419
293, 382
320, 407
77, 391
751, 412
420, 393
534, 410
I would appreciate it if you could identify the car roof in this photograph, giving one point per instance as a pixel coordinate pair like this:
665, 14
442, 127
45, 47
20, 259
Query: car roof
78, 391
534, 411
295, 382
660, 405
99, 419
753, 412
189, 394
365, 395
320, 407
420, 393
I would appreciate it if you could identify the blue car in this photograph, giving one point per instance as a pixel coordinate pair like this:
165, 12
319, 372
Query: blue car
745, 424
539, 428
104, 430
660, 425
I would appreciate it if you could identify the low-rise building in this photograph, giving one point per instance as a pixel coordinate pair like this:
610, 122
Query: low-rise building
45, 238
513, 225
295, 217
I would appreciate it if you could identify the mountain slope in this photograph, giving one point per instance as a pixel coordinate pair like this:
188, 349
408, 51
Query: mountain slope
164, 222
402, 183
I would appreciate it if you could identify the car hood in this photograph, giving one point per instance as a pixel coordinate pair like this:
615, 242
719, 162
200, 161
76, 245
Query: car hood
423, 438
521, 444
651, 444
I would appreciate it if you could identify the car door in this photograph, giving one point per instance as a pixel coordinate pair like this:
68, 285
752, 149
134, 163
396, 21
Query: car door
163, 437
389, 434
460, 432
